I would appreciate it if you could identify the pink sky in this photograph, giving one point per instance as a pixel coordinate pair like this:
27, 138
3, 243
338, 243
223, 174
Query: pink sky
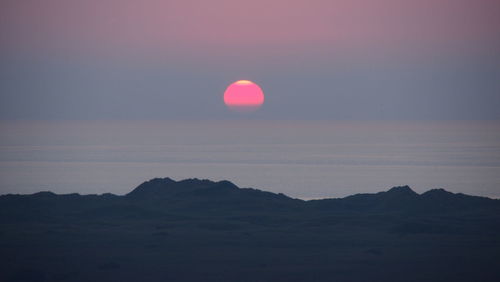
279, 27
333, 59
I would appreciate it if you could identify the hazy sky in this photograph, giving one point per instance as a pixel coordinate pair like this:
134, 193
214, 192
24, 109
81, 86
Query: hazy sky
124, 59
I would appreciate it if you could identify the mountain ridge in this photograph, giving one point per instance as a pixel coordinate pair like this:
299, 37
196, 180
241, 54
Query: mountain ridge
196, 195
202, 230
158, 187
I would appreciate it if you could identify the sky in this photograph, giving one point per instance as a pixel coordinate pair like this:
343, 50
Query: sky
315, 59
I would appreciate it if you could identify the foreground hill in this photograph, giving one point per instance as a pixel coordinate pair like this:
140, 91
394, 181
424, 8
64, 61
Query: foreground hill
200, 230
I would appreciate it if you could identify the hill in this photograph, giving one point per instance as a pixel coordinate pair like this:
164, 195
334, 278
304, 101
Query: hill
200, 230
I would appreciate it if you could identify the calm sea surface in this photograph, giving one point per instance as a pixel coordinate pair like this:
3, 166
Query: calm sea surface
313, 159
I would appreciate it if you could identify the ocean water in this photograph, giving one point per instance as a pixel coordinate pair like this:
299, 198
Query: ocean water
303, 159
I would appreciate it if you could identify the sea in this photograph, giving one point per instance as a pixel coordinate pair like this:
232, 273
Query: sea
302, 159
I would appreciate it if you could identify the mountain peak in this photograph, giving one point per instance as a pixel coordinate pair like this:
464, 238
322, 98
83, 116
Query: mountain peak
402, 190
44, 194
151, 187
437, 191
160, 187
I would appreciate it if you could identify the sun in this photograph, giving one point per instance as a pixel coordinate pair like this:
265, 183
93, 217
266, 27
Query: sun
244, 96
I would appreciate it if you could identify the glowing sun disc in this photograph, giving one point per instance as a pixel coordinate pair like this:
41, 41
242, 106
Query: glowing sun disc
243, 96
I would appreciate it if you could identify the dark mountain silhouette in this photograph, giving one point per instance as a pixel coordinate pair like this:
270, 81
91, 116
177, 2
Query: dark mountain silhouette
200, 230
198, 195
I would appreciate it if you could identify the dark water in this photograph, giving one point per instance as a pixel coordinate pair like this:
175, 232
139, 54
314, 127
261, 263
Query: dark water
306, 159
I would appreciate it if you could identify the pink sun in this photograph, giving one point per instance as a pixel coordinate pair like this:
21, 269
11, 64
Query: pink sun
244, 96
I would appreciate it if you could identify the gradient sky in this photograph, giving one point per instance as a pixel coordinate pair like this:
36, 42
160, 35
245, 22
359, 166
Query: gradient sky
385, 59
